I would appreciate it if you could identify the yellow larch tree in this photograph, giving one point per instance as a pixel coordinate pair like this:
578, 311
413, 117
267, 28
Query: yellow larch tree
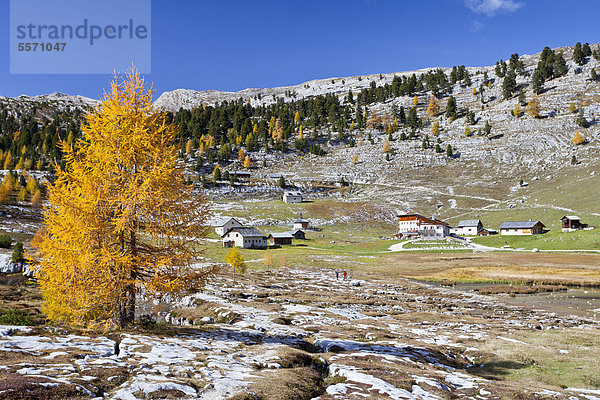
8, 161
300, 132
533, 108
415, 101
387, 147
278, 131
572, 108
435, 128
36, 199
241, 155
354, 158
120, 219
189, 146
247, 162
236, 260
433, 108
297, 117
517, 111
268, 260
578, 138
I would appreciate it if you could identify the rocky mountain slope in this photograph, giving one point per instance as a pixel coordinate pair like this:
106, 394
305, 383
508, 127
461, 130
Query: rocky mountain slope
486, 169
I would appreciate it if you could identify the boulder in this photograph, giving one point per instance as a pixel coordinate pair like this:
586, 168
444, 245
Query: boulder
7, 266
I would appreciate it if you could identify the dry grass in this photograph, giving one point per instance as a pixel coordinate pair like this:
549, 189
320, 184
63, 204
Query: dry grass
300, 378
15, 386
558, 268
509, 289
566, 358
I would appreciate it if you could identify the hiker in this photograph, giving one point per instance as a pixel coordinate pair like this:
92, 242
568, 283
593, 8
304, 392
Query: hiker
345, 275
337, 275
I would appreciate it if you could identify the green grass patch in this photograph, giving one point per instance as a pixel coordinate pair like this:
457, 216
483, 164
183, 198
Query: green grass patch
552, 240
13, 316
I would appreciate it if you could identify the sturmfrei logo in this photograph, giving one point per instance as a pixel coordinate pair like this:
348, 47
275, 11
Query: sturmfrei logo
79, 37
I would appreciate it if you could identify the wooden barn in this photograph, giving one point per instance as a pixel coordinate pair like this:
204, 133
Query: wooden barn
280, 239
571, 223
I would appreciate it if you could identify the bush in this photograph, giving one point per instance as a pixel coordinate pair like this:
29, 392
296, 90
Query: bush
5, 241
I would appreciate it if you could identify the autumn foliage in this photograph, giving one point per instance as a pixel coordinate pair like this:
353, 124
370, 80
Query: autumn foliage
578, 138
121, 220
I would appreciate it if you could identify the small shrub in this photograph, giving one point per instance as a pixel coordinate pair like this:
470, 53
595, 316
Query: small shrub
5, 241
16, 317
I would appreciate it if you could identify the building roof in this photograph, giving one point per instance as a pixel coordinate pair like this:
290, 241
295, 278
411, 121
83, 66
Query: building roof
294, 232
520, 224
469, 222
571, 217
222, 221
246, 232
432, 221
282, 235
292, 193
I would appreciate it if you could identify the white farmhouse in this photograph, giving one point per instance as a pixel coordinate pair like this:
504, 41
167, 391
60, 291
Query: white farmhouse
224, 224
417, 226
292, 197
468, 227
245, 238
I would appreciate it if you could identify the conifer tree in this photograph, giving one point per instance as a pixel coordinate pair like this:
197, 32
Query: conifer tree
241, 155
415, 100
537, 82
18, 255
217, 173
581, 121
467, 131
188, 147
247, 162
487, 129
121, 220
451, 111
509, 85
449, 152
578, 55
354, 158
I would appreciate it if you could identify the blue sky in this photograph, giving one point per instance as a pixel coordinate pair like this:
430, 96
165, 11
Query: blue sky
236, 44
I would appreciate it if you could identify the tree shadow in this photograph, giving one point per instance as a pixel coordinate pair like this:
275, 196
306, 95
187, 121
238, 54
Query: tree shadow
496, 370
